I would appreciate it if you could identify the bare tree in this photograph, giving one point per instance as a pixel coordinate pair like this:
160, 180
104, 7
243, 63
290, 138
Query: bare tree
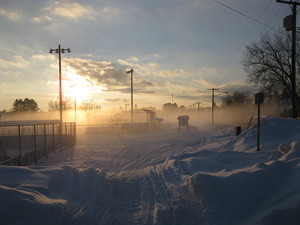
117, 121
53, 104
236, 98
268, 64
88, 107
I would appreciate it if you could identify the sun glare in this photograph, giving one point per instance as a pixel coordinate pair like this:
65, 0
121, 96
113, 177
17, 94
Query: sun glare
77, 86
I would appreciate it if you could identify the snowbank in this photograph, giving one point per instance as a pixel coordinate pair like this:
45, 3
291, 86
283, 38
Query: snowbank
200, 177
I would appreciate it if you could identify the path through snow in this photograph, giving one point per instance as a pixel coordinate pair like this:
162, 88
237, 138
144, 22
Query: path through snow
165, 178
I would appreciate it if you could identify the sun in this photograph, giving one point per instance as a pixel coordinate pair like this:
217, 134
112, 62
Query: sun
76, 86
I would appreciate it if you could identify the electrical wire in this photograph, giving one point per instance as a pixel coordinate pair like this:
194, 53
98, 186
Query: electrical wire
244, 39
243, 14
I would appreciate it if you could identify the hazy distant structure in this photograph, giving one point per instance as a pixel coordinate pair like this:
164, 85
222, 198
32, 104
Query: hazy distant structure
183, 121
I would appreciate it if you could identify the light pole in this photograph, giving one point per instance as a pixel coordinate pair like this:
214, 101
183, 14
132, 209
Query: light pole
60, 50
131, 72
212, 103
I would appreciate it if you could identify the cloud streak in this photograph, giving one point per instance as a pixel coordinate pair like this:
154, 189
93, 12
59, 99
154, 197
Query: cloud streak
11, 15
70, 10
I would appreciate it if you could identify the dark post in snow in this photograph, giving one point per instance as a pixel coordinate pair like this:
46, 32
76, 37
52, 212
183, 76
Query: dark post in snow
290, 24
212, 103
131, 72
20, 145
259, 99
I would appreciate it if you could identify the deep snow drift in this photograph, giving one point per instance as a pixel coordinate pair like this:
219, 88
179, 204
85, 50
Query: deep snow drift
206, 176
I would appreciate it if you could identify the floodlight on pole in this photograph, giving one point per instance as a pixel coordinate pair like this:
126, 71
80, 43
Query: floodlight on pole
60, 50
131, 72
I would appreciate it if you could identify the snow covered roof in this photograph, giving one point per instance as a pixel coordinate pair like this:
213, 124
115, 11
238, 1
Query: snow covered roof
27, 122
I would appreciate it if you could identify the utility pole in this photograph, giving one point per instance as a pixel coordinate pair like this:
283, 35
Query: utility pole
290, 23
212, 103
60, 50
131, 72
198, 103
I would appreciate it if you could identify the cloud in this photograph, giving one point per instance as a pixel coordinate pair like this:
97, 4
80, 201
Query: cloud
41, 19
17, 61
110, 75
127, 63
104, 72
10, 14
43, 57
70, 10
204, 83
172, 73
240, 87
11, 73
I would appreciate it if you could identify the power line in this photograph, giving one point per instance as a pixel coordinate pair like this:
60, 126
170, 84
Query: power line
243, 14
245, 38
238, 68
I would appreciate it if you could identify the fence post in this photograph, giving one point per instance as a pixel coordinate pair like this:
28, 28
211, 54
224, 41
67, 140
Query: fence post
66, 135
20, 145
35, 149
60, 135
45, 136
53, 137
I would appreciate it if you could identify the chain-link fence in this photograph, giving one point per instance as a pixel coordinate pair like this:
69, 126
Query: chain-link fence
25, 144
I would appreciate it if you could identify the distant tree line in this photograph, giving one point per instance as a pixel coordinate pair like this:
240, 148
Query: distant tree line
169, 107
26, 105
236, 98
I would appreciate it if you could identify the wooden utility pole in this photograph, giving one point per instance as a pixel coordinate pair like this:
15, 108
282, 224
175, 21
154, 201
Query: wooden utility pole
198, 103
290, 23
212, 103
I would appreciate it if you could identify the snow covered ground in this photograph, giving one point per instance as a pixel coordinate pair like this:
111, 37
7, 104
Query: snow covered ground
207, 176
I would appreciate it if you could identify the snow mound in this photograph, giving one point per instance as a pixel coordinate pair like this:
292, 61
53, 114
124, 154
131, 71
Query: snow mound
57, 195
206, 176
272, 132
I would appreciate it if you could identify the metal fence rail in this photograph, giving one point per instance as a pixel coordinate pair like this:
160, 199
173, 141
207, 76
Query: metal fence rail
24, 144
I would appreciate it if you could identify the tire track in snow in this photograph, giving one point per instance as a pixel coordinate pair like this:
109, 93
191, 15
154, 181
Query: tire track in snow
127, 200
90, 197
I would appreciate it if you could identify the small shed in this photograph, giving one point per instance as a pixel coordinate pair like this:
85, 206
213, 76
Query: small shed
153, 121
183, 121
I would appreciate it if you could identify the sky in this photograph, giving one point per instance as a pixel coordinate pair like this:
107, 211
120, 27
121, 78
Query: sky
176, 48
